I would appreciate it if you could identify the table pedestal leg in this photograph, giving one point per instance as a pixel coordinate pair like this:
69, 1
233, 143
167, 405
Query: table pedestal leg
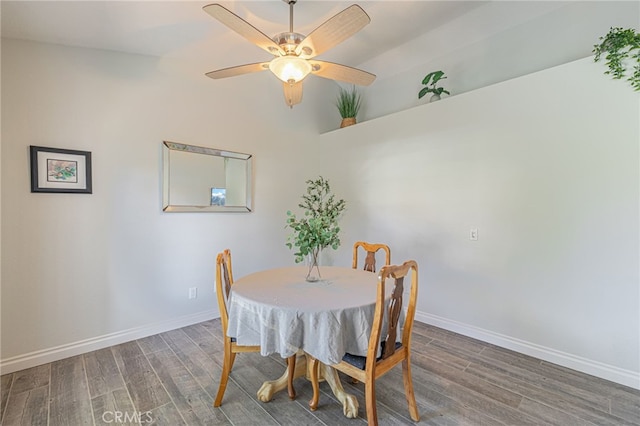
270, 387
349, 402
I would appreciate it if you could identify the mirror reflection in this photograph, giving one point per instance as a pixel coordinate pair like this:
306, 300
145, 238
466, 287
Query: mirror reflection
199, 179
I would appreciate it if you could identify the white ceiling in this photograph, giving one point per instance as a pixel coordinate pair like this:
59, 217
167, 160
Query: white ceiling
182, 30
416, 30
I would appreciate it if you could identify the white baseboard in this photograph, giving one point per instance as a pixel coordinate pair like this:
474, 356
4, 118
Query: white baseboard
595, 368
45, 356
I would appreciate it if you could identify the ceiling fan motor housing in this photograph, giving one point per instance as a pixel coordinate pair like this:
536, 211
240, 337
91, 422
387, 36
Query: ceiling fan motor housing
288, 41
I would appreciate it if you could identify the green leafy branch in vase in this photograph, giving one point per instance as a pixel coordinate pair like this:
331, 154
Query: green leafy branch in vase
318, 228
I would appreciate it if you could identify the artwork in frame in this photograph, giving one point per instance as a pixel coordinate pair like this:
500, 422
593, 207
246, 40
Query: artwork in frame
60, 170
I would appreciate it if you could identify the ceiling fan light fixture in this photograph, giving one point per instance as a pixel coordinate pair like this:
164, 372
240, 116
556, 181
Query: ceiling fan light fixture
290, 69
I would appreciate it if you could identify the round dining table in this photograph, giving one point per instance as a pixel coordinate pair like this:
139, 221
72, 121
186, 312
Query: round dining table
283, 313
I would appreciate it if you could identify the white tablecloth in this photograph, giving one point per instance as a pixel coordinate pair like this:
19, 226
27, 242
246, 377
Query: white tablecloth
280, 311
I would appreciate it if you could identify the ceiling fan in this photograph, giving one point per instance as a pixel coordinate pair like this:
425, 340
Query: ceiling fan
293, 52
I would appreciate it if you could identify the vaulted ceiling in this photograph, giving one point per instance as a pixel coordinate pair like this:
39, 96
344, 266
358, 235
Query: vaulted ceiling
181, 30
479, 42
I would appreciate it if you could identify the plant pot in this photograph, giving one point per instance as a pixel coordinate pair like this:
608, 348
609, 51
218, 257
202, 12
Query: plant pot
349, 121
434, 98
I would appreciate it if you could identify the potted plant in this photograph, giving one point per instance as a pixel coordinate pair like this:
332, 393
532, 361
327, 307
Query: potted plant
430, 81
318, 228
348, 104
621, 48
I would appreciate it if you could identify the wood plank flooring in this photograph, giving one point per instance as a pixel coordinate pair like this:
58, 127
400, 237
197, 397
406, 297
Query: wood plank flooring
172, 378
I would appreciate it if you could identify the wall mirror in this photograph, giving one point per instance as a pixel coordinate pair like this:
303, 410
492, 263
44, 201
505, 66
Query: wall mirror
198, 179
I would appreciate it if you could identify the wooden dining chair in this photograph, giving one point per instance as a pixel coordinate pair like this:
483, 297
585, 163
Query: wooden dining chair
370, 259
369, 368
224, 281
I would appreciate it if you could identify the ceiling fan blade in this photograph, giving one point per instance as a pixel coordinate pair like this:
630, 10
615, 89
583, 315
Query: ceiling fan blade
333, 31
243, 28
239, 70
292, 93
341, 73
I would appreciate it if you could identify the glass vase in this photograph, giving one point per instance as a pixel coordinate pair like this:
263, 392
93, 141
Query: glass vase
313, 263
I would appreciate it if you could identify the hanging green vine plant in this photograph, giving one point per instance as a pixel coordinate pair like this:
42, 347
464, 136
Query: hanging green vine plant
621, 48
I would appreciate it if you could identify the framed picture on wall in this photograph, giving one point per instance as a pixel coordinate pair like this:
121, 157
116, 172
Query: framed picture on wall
60, 170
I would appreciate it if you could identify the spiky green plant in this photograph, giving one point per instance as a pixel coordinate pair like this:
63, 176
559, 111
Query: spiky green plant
348, 102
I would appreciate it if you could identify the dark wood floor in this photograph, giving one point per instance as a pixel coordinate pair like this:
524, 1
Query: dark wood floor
171, 379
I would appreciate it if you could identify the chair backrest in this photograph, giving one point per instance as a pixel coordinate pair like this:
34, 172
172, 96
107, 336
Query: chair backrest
393, 309
224, 281
370, 259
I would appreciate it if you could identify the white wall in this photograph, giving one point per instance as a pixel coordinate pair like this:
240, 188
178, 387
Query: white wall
569, 28
546, 168
549, 177
83, 270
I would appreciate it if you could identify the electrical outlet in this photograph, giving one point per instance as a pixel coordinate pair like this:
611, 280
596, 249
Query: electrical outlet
473, 234
193, 292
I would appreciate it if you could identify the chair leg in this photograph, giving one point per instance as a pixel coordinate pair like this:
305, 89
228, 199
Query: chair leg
232, 358
227, 364
370, 400
291, 369
408, 390
314, 367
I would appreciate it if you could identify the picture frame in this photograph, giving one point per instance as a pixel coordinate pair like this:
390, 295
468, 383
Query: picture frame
60, 170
